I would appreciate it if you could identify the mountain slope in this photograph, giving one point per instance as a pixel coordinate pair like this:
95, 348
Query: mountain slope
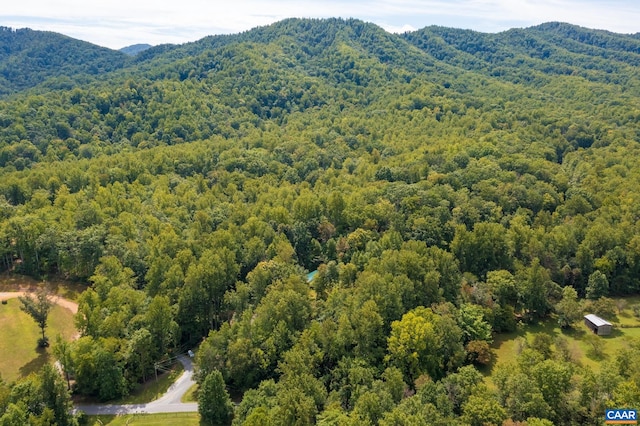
532, 54
171, 94
28, 58
445, 184
134, 49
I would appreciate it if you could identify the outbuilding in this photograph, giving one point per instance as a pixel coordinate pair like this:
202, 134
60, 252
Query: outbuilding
598, 325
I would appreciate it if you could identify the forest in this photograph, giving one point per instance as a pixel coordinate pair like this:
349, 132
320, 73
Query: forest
447, 185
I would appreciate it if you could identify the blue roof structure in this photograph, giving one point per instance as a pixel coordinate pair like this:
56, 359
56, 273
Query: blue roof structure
311, 274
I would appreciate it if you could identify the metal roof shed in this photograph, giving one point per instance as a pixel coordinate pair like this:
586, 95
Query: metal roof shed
598, 325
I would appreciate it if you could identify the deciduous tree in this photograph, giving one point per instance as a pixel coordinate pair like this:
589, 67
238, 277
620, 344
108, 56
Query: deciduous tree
38, 308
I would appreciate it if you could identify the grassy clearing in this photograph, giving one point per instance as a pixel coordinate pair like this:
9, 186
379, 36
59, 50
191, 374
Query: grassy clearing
191, 395
626, 327
187, 419
19, 336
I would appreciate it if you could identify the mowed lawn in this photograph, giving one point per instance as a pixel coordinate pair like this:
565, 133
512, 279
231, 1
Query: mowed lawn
186, 419
19, 335
626, 327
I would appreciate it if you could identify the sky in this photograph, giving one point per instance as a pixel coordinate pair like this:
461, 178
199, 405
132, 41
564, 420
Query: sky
120, 23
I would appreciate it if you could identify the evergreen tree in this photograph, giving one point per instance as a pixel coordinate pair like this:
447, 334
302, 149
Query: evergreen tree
214, 404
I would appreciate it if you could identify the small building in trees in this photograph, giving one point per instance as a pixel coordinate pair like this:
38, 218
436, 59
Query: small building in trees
598, 325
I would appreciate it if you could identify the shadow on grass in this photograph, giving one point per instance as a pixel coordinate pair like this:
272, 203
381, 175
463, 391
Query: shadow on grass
577, 332
35, 364
596, 354
615, 332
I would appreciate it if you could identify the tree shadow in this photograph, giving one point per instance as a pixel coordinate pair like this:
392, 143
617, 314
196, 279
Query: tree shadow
576, 332
35, 364
596, 354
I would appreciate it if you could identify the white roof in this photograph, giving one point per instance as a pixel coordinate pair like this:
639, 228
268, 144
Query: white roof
596, 320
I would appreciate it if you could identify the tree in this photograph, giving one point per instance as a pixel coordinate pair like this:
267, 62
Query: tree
482, 410
471, 320
38, 399
98, 367
603, 307
38, 308
108, 371
139, 354
568, 309
597, 286
461, 385
62, 351
479, 352
554, 381
160, 324
596, 345
486, 248
261, 399
503, 286
535, 286
414, 412
413, 343
55, 396
214, 404
424, 342
15, 414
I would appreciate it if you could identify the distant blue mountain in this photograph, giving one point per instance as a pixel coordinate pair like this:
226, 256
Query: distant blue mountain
134, 49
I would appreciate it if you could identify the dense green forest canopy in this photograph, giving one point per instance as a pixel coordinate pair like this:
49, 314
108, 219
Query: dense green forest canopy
28, 58
445, 184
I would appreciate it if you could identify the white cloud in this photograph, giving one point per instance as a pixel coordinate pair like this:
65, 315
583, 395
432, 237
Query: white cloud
117, 23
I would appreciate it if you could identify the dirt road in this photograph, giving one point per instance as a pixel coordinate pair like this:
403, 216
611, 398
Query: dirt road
65, 303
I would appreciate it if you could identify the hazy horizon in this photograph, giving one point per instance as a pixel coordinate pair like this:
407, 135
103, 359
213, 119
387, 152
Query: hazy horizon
119, 24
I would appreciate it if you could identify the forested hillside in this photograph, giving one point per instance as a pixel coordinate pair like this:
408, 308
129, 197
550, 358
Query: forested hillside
446, 184
29, 58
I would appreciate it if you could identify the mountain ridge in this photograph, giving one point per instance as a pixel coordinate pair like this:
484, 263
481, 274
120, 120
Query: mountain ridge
29, 57
299, 65
448, 186
83, 58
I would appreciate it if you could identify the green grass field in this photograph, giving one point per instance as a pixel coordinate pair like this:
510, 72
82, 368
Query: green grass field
191, 395
19, 339
186, 419
626, 327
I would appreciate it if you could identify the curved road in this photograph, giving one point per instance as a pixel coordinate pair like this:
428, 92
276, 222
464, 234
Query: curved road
65, 303
167, 403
